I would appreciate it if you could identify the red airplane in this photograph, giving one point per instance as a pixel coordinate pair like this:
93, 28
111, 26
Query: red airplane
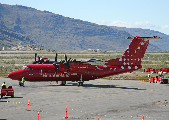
80, 71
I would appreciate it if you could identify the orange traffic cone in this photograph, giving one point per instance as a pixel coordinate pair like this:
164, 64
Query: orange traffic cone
66, 113
38, 115
142, 117
28, 105
98, 118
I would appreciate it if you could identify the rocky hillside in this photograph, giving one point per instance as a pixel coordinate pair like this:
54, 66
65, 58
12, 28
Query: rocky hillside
162, 44
60, 33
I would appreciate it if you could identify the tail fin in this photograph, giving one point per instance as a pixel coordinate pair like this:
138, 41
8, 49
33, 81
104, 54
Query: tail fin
134, 53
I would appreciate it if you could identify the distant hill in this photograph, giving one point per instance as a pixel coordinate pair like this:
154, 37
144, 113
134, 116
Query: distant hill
162, 44
9, 38
60, 33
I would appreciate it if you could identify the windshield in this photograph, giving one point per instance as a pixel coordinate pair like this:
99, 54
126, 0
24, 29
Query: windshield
26, 68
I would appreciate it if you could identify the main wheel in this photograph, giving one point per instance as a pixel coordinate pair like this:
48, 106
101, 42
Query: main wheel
80, 83
12, 96
63, 82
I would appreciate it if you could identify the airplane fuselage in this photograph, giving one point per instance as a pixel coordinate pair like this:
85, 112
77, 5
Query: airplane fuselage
46, 72
72, 70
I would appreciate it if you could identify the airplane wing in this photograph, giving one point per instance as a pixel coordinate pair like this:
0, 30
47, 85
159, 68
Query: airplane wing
97, 62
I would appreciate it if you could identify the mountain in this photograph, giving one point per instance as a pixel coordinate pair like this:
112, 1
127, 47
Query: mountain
10, 38
163, 44
61, 33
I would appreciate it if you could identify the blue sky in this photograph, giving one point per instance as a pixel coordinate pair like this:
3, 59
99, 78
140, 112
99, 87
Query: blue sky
146, 14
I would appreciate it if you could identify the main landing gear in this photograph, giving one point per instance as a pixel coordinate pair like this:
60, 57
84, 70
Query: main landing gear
80, 83
63, 83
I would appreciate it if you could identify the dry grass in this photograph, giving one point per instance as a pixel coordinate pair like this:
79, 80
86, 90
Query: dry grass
11, 61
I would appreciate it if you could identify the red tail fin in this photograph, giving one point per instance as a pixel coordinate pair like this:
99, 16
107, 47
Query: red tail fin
134, 53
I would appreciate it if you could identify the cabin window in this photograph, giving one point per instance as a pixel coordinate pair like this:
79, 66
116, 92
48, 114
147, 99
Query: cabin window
23, 67
26, 68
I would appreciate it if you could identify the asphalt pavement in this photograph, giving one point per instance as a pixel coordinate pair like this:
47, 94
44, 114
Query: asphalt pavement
106, 99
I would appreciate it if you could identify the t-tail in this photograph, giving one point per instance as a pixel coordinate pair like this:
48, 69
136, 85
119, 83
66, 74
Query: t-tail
132, 57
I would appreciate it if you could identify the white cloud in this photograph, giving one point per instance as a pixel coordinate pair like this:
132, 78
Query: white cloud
119, 24
143, 25
165, 27
103, 21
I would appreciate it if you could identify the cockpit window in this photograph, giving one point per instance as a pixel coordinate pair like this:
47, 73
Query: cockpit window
26, 68
23, 67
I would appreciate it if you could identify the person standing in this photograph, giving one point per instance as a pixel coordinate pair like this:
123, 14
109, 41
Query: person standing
23, 80
3, 84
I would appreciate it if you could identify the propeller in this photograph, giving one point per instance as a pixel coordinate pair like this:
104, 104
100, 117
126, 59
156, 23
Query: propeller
34, 62
56, 64
65, 57
35, 56
66, 63
56, 57
38, 58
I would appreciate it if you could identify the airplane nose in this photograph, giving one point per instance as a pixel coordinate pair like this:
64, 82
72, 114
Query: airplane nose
13, 75
16, 75
10, 75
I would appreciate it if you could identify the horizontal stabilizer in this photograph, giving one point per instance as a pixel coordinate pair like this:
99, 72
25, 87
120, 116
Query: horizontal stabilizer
154, 37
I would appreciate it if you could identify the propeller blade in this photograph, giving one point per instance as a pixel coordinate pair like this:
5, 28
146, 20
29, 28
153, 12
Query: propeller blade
65, 58
64, 66
38, 59
55, 69
56, 57
69, 59
66, 63
35, 56
56, 66
68, 68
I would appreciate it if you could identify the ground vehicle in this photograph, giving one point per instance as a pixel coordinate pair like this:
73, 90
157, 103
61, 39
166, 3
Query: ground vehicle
7, 91
147, 69
160, 80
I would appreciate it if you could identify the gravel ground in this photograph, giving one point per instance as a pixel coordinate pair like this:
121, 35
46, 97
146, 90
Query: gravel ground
106, 99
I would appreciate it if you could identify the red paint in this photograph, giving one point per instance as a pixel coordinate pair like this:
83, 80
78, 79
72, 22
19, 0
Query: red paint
91, 69
7, 92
